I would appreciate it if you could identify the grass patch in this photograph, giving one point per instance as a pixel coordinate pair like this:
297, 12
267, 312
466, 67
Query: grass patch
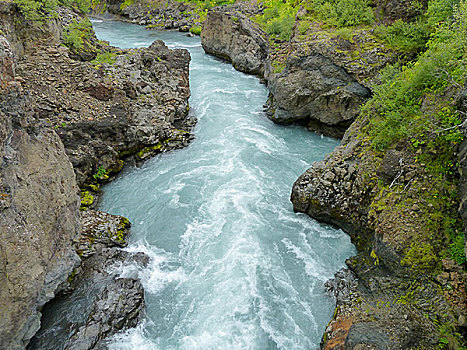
107, 57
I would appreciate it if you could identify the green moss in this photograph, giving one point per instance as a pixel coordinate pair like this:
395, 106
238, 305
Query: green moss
126, 3
101, 58
196, 30
149, 150
94, 187
87, 199
101, 174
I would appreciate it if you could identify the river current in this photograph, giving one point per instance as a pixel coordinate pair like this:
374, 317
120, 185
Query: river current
233, 267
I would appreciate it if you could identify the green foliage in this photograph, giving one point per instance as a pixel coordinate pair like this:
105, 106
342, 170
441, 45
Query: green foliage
196, 30
87, 199
107, 57
303, 27
456, 248
40, 11
396, 106
344, 13
101, 174
37, 11
126, 3
77, 33
440, 10
278, 19
345, 33
410, 37
421, 257
281, 27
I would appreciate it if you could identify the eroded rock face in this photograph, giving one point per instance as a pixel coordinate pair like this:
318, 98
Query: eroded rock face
108, 303
117, 308
38, 220
169, 15
105, 114
314, 87
361, 191
232, 36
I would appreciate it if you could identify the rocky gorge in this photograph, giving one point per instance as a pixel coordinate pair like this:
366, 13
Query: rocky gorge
67, 125
398, 293
403, 290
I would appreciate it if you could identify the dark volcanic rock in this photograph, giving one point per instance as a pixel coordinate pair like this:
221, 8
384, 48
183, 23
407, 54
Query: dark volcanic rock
116, 308
105, 114
314, 87
234, 37
108, 303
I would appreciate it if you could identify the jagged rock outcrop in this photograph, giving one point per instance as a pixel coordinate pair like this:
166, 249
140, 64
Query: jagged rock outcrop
38, 219
327, 78
383, 202
108, 112
234, 37
117, 308
109, 303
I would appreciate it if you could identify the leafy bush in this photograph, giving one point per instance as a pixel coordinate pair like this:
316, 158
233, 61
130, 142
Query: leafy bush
396, 105
281, 27
344, 13
303, 27
278, 19
40, 11
37, 11
77, 33
410, 37
440, 10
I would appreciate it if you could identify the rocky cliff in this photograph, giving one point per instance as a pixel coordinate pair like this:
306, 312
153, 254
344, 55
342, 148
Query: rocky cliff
65, 124
232, 36
393, 186
38, 211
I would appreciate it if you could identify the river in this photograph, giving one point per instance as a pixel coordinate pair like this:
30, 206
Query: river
233, 267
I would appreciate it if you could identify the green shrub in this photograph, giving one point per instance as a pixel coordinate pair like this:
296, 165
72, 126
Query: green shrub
303, 27
126, 3
282, 27
37, 11
77, 33
440, 10
344, 13
196, 30
411, 37
456, 249
397, 102
40, 11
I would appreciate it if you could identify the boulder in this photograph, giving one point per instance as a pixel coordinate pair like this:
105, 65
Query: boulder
234, 37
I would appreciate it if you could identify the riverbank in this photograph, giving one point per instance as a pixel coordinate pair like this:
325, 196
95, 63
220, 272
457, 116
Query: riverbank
71, 116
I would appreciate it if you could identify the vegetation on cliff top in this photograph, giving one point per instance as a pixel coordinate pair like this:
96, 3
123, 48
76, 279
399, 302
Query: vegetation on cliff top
416, 108
40, 11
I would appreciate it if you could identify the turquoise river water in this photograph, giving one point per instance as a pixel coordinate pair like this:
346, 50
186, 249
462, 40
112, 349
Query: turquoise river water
233, 267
